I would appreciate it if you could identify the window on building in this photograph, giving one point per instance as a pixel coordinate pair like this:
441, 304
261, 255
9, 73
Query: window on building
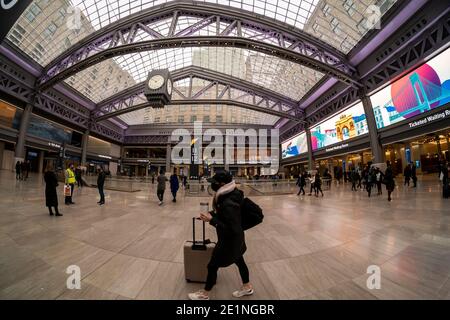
206, 108
206, 119
193, 118
168, 118
180, 119
33, 12
157, 119
315, 27
362, 26
326, 9
17, 34
335, 26
350, 7
219, 119
51, 29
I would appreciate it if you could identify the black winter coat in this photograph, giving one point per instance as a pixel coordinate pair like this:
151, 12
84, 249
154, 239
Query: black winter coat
101, 179
227, 220
51, 182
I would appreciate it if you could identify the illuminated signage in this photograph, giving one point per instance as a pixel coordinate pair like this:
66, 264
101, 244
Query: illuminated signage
423, 89
294, 146
426, 120
105, 157
54, 145
346, 125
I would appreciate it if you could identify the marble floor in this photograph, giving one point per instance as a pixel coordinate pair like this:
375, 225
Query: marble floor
306, 248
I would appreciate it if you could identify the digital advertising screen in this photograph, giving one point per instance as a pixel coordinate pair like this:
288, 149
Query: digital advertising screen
294, 146
423, 89
348, 124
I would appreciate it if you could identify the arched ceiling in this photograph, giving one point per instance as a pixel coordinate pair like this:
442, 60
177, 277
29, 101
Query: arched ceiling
322, 32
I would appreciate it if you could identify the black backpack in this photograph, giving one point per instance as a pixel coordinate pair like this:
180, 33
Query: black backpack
251, 214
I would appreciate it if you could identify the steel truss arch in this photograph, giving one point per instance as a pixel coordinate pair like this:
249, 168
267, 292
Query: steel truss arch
274, 38
198, 102
225, 88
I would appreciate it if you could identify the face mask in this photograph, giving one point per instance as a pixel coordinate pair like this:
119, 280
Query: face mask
215, 186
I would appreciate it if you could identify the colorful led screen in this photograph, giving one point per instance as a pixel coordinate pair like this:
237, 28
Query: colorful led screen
421, 90
346, 125
294, 147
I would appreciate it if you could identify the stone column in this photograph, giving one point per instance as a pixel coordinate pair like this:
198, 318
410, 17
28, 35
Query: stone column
24, 123
377, 148
310, 151
168, 157
84, 147
41, 161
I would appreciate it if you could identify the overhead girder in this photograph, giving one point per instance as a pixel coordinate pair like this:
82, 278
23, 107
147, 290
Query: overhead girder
226, 90
214, 77
274, 38
201, 102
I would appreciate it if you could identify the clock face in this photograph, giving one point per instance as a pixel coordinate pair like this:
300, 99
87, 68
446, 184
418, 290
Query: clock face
156, 82
169, 87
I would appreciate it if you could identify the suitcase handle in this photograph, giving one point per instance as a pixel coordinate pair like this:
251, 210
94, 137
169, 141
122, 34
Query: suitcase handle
201, 246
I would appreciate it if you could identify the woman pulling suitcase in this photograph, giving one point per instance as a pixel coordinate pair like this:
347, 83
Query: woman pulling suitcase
230, 247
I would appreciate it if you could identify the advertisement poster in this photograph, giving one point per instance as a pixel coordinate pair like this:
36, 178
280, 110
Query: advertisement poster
348, 124
294, 146
423, 89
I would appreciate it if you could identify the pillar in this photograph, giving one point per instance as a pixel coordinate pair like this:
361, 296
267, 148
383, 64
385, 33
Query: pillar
41, 161
168, 157
84, 147
377, 148
24, 123
310, 151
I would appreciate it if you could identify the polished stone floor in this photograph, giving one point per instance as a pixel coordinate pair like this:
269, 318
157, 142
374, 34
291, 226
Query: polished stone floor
307, 247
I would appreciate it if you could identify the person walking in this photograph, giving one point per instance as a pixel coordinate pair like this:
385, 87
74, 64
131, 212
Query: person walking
389, 180
174, 185
407, 174
78, 177
18, 171
301, 183
379, 178
414, 175
312, 184
100, 185
317, 185
371, 180
69, 180
230, 247
354, 179
161, 186
51, 196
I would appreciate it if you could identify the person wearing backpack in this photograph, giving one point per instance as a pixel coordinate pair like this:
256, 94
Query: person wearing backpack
230, 247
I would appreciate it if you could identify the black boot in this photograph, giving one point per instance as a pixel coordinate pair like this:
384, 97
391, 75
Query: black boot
57, 212
50, 210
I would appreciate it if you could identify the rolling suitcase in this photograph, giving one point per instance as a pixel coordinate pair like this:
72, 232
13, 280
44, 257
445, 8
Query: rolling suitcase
196, 257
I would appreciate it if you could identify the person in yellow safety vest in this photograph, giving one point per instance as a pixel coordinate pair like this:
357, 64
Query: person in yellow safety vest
70, 180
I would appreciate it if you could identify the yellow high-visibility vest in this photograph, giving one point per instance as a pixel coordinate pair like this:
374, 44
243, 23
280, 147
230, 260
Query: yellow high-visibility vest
71, 176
